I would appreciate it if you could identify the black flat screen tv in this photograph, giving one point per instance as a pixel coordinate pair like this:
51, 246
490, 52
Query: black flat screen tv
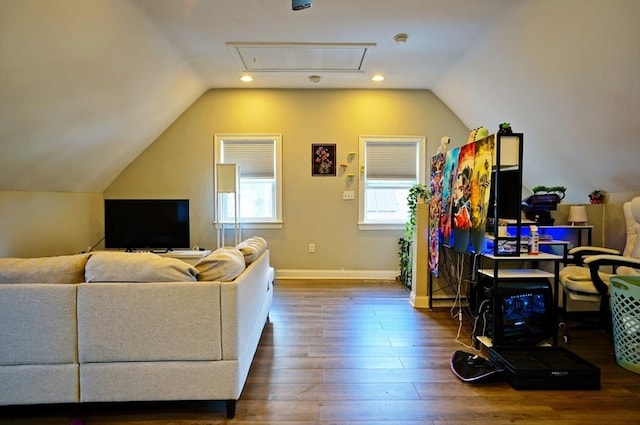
146, 223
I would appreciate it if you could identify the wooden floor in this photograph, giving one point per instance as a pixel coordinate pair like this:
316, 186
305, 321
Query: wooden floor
356, 353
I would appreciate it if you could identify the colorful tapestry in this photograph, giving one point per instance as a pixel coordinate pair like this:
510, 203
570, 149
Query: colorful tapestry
460, 188
462, 198
435, 209
448, 189
480, 190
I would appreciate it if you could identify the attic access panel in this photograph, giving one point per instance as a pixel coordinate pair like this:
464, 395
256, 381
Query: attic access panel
300, 57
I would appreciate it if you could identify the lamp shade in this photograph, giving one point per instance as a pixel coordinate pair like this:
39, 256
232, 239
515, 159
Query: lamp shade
577, 214
226, 178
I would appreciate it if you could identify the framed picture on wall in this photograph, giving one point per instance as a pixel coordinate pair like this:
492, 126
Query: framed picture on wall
323, 159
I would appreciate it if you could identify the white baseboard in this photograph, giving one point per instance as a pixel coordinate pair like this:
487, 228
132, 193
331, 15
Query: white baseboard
336, 274
419, 301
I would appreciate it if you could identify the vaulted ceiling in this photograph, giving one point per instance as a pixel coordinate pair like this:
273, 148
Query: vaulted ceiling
86, 86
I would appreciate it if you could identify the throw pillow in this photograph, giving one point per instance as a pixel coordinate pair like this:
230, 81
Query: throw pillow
117, 266
223, 264
252, 248
59, 269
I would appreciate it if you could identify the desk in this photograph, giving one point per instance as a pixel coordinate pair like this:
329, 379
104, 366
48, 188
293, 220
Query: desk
561, 232
553, 242
564, 244
565, 232
566, 235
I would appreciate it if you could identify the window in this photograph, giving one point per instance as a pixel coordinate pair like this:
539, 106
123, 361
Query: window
389, 167
259, 159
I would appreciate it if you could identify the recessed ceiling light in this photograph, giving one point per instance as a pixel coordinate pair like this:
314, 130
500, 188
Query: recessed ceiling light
377, 77
246, 78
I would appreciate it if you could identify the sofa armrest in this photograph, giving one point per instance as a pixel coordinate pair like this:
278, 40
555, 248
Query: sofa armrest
579, 253
242, 303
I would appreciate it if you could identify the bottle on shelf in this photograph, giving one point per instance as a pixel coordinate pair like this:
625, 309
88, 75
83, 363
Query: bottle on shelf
534, 240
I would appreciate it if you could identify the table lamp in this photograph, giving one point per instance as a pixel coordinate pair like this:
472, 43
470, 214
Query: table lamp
577, 214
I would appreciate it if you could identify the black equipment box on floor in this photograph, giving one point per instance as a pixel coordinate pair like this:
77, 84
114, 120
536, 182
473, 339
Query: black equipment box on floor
545, 368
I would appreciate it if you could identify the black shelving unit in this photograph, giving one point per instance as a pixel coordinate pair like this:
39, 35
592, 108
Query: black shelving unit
507, 190
507, 200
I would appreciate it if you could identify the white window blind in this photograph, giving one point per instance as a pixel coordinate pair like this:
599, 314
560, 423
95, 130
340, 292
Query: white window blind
259, 159
391, 160
255, 158
390, 167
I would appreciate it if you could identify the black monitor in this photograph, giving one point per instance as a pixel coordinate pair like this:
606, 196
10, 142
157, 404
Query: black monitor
509, 194
146, 223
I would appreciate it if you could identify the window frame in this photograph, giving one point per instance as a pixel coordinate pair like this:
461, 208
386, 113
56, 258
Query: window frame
420, 141
276, 221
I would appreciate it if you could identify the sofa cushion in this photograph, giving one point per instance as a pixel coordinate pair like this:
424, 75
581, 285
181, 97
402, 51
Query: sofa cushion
108, 266
252, 248
154, 321
38, 324
59, 269
223, 264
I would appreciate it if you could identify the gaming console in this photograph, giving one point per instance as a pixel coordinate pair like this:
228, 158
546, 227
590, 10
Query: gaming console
544, 368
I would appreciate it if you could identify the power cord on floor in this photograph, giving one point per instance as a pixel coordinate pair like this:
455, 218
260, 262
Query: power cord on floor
458, 301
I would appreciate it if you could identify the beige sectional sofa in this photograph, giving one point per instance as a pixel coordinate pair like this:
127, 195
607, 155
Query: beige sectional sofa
131, 333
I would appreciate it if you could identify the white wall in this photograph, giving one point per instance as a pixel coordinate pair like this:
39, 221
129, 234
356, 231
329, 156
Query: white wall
180, 164
34, 224
567, 74
84, 87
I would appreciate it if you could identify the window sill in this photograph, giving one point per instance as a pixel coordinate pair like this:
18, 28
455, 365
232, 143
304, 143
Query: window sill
381, 226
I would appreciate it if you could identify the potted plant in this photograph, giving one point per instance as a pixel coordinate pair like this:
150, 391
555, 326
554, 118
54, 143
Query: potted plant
596, 197
558, 191
545, 197
417, 192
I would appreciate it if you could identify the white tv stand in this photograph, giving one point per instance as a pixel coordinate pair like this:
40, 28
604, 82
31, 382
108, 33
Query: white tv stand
190, 256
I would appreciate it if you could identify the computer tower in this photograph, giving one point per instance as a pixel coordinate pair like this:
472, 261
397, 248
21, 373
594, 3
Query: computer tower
516, 312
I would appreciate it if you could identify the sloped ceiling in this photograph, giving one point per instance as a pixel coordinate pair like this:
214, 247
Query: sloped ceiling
85, 86
567, 74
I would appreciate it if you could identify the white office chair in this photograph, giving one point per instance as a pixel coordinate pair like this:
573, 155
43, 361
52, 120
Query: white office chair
588, 280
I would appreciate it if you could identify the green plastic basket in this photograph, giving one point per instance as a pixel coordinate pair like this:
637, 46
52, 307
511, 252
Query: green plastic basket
625, 309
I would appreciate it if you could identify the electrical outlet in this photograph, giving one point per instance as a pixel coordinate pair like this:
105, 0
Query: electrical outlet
312, 248
348, 195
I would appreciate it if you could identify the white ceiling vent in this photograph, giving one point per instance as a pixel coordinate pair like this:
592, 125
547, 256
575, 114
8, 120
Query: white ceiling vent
300, 57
